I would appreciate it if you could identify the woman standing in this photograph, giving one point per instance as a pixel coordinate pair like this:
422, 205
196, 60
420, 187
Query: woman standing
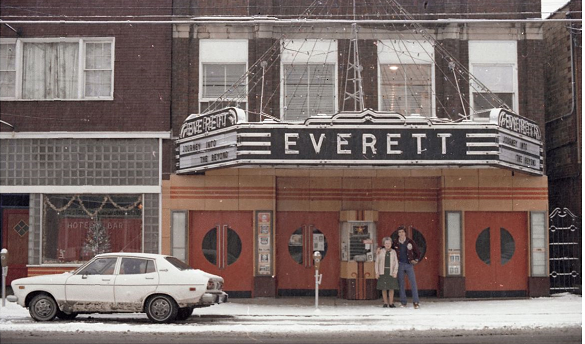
386, 269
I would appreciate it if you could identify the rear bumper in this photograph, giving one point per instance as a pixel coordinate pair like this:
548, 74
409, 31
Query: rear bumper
209, 299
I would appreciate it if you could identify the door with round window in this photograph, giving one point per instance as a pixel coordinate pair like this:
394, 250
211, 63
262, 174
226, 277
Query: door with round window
496, 254
299, 235
221, 243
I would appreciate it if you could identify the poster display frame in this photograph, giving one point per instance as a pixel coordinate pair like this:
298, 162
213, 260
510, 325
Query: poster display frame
264, 242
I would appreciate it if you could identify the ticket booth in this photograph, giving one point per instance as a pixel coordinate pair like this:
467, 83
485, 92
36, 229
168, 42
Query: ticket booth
358, 253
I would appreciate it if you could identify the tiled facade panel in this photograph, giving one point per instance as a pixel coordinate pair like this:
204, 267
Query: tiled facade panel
142, 70
79, 162
469, 190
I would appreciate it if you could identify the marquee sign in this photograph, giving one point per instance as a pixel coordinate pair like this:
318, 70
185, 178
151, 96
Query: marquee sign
366, 139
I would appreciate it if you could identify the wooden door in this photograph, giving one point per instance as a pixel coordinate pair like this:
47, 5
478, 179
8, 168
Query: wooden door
424, 230
15, 239
496, 251
298, 235
220, 242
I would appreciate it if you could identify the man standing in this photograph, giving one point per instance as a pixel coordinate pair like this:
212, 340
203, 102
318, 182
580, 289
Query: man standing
408, 256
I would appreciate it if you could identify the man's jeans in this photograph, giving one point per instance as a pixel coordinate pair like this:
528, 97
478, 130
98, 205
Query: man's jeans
409, 270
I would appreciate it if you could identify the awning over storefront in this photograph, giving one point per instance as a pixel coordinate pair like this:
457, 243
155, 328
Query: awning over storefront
359, 139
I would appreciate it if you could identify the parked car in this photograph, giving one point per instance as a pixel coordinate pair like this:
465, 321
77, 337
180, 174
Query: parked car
163, 287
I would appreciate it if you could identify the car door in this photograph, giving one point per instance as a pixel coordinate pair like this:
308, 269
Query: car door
92, 288
137, 278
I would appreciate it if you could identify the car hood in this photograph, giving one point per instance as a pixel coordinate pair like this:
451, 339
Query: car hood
45, 279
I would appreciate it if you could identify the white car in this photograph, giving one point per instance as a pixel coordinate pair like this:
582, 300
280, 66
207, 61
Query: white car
163, 287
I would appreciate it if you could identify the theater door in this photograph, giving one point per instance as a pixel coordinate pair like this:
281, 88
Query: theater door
221, 243
423, 228
496, 254
15, 240
298, 235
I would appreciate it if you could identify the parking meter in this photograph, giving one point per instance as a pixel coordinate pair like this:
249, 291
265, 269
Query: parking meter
317, 263
4, 261
4, 257
317, 259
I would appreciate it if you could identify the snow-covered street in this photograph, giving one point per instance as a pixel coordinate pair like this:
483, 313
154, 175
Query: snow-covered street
298, 315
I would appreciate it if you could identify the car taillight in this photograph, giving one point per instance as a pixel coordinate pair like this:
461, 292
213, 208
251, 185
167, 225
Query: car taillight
210, 285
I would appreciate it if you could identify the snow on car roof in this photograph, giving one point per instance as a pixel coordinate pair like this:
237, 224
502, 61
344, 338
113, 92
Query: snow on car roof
133, 254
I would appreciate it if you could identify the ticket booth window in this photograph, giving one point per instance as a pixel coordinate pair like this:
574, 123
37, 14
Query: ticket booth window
358, 241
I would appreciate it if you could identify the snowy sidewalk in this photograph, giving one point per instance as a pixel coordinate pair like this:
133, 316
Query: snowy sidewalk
298, 315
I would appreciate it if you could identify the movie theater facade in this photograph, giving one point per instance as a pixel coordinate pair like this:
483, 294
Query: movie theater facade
253, 202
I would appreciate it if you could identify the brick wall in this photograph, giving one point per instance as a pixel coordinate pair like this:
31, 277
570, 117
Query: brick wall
563, 112
142, 68
185, 75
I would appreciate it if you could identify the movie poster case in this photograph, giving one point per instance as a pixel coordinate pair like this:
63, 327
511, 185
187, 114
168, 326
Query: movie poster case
264, 234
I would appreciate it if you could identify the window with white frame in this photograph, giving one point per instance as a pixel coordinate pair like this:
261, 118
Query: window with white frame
494, 64
309, 78
64, 68
406, 77
179, 234
454, 252
7, 69
222, 78
538, 243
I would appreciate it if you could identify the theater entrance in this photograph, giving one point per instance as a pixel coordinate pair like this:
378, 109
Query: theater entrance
496, 254
220, 242
298, 235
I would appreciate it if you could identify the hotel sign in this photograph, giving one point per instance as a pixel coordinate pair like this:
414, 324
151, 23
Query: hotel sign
367, 139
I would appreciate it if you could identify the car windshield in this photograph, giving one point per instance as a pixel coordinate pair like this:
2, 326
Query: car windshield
179, 264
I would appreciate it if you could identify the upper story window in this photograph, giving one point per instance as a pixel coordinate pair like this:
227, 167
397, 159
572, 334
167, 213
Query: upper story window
495, 64
222, 78
63, 68
406, 77
309, 78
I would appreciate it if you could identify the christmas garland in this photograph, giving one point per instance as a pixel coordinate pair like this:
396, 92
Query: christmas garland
130, 207
87, 211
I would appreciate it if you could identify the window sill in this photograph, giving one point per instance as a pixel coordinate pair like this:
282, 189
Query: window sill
55, 100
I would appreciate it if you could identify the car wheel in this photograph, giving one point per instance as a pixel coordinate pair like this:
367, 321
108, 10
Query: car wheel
184, 313
161, 309
65, 316
43, 308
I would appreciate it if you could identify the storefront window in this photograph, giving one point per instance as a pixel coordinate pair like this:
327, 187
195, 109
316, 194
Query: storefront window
77, 227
